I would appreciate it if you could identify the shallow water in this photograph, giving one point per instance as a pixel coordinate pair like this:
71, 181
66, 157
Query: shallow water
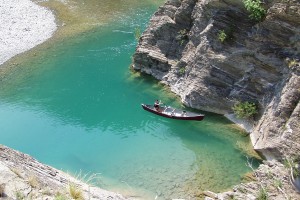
78, 108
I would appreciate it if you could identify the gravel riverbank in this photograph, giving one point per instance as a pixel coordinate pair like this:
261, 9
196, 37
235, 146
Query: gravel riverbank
24, 25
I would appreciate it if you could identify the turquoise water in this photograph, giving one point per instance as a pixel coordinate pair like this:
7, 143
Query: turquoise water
78, 108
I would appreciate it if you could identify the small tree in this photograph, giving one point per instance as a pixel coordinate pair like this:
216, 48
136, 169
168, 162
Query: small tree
245, 109
257, 12
222, 36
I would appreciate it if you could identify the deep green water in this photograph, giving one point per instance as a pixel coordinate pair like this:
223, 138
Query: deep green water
78, 108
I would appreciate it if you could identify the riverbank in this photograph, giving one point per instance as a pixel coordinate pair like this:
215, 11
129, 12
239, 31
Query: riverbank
23, 177
24, 25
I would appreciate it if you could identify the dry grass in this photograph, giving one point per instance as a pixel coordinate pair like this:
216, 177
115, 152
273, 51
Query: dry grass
17, 172
75, 192
2, 189
33, 182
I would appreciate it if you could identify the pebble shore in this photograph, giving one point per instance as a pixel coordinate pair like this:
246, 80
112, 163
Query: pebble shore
23, 26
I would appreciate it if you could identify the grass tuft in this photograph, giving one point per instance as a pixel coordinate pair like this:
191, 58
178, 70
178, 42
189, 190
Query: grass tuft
262, 194
75, 192
33, 182
2, 189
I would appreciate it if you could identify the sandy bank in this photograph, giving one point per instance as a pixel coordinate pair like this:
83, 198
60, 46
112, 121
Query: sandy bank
23, 26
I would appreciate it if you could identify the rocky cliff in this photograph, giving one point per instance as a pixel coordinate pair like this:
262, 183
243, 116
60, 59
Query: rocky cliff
257, 62
23, 177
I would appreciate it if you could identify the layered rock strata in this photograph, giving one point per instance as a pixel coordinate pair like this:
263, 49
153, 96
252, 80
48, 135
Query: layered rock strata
257, 62
23, 177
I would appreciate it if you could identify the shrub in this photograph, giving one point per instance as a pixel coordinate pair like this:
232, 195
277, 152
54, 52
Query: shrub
181, 71
182, 36
245, 109
257, 12
222, 36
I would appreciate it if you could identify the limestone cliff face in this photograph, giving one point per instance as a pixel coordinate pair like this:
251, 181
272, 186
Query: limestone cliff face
181, 48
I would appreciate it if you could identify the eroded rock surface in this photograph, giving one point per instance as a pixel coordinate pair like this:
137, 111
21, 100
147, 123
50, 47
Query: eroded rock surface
23, 177
273, 176
181, 48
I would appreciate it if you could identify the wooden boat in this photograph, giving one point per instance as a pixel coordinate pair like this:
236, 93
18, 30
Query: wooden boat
169, 112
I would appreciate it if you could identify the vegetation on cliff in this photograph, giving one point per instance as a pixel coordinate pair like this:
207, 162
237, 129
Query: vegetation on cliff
245, 109
257, 12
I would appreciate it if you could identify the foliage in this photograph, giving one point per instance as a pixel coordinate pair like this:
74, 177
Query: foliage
277, 183
181, 71
262, 194
75, 192
137, 33
245, 109
182, 36
182, 32
222, 36
257, 12
293, 63
20, 195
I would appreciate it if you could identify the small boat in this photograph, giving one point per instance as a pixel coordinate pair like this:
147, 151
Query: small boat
169, 112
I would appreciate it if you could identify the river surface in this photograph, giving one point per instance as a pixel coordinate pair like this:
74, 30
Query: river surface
78, 108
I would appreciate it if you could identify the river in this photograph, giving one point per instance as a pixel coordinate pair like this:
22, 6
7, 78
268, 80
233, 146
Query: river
78, 108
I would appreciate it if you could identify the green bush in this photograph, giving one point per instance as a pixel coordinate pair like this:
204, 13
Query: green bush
222, 36
245, 109
182, 36
181, 71
257, 12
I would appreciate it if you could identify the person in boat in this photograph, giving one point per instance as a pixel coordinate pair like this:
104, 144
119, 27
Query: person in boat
156, 105
183, 113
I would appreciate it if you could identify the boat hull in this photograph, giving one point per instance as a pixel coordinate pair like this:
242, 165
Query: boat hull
172, 113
